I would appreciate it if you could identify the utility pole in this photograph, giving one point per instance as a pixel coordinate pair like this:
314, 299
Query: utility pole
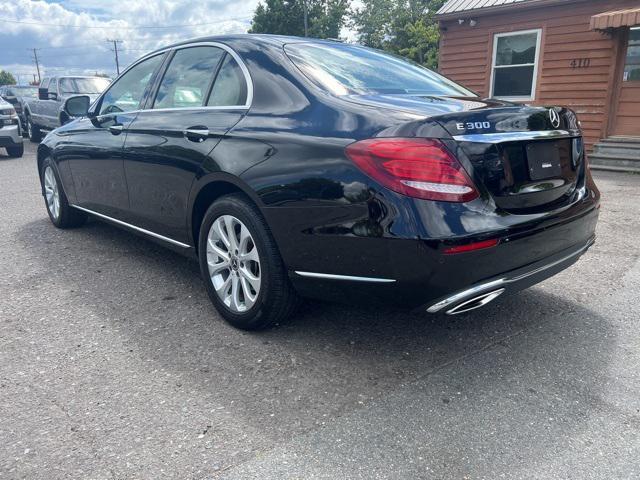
115, 49
35, 58
34, 79
306, 14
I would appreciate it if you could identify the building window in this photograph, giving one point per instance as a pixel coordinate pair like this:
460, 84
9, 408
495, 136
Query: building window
632, 62
515, 65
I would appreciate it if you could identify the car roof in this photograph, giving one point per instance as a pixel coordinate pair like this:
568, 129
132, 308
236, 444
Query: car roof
248, 38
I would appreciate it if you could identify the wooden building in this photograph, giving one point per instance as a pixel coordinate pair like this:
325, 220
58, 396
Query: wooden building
581, 53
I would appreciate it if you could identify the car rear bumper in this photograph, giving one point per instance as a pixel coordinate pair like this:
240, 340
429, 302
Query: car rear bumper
10, 136
482, 293
416, 274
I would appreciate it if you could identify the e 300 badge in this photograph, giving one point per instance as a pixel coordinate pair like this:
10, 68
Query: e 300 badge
473, 126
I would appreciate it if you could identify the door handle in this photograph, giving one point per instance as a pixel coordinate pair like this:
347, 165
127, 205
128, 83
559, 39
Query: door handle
196, 134
116, 129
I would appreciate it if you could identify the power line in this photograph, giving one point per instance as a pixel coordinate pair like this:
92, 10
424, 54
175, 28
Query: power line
112, 27
86, 45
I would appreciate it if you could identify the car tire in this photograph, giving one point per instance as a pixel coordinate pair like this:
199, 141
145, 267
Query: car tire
33, 131
230, 265
61, 214
15, 152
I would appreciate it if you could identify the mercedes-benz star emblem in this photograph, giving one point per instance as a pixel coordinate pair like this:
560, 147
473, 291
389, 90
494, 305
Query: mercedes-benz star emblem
554, 117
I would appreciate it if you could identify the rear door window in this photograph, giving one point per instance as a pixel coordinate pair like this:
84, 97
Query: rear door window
188, 78
230, 87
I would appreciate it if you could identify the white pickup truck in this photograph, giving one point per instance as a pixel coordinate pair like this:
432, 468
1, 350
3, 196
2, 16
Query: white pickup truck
46, 112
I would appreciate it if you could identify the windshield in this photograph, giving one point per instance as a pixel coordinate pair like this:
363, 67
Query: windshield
347, 69
83, 85
23, 91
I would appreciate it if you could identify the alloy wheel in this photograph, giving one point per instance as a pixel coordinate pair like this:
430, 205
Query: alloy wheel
51, 192
234, 263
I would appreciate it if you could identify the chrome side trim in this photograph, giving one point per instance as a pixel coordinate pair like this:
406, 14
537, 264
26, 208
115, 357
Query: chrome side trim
330, 276
133, 227
474, 292
516, 136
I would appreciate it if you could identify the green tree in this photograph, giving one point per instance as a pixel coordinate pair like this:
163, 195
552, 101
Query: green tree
6, 78
403, 27
325, 18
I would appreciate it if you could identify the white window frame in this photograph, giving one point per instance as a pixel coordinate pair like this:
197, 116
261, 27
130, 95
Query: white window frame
534, 83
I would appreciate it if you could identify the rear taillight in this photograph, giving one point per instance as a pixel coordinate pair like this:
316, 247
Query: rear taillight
415, 167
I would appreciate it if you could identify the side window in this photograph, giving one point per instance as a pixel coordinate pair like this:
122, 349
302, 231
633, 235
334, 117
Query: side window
53, 85
127, 92
230, 87
44, 83
188, 77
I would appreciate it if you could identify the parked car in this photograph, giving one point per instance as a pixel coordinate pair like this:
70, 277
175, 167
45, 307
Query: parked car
10, 135
46, 113
17, 95
298, 167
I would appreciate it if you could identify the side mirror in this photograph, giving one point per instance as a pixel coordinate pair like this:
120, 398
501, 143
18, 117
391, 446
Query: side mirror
43, 94
77, 106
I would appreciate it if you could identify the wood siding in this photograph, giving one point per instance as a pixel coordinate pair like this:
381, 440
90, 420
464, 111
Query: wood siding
466, 56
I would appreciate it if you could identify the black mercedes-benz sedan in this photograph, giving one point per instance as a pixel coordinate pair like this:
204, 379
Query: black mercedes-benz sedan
303, 168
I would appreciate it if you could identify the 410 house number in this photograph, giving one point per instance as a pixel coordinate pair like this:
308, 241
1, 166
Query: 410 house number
580, 63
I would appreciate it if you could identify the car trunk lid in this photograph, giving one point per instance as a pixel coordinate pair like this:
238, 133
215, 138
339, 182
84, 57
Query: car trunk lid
526, 157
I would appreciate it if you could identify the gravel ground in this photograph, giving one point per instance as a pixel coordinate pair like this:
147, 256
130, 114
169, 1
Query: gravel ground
114, 365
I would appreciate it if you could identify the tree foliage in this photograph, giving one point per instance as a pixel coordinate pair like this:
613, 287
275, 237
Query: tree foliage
403, 27
325, 18
6, 78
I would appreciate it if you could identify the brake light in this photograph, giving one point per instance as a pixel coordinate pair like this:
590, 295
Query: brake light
416, 167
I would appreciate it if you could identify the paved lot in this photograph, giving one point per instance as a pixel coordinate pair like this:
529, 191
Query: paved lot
114, 365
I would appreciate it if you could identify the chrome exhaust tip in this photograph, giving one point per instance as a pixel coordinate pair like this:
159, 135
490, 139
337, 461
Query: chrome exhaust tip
475, 302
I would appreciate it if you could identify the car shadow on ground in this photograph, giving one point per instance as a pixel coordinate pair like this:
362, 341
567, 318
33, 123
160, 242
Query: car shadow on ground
330, 360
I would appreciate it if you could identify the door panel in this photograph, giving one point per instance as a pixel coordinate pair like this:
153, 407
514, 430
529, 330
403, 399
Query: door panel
168, 143
94, 155
162, 161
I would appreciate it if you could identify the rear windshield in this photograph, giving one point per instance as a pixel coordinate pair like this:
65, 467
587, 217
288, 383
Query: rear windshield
350, 69
83, 85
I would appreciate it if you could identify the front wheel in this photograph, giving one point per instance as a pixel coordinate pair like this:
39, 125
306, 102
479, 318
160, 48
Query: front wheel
242, 268
61, 214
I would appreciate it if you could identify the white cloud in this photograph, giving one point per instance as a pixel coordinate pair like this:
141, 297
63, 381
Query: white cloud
122, 20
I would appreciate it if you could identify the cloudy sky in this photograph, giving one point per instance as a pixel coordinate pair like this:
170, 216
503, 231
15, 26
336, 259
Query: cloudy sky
71, 35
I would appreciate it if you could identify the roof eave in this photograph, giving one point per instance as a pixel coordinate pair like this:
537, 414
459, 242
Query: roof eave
502, 8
